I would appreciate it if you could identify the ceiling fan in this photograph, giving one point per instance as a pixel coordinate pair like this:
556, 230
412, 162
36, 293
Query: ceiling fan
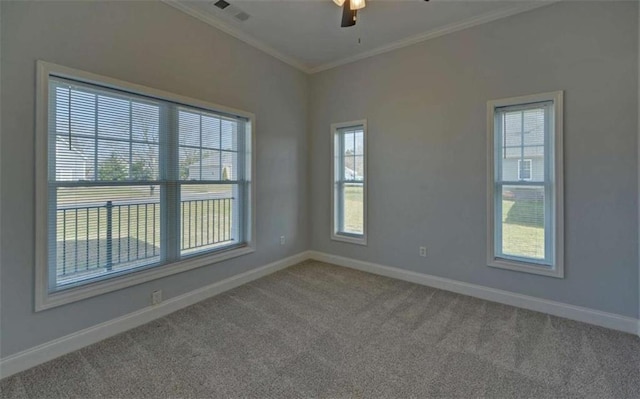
350, 11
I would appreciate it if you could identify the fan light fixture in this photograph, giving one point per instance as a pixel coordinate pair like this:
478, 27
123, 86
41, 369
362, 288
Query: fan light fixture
350, 11
354, 4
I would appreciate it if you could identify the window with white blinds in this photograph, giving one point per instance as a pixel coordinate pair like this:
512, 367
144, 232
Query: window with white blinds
525, 187
137, 181
349, 182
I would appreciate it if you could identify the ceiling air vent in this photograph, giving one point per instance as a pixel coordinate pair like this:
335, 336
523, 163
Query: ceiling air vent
221, 4
228, 10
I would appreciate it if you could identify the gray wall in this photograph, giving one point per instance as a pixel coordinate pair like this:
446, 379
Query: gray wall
157, 46
426, 107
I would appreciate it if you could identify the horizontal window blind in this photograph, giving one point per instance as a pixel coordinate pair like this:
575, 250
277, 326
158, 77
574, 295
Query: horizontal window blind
137, 182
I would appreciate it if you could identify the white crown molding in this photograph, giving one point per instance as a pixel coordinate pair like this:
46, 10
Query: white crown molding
226, 27
434, 33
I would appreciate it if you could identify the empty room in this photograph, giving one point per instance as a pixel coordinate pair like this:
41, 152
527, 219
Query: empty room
319, 199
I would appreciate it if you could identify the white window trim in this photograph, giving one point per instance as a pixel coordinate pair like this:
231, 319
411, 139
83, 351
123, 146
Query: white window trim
43, 298
530, 169
360, 240
557, 269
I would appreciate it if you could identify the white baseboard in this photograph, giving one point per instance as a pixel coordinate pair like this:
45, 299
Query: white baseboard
72, 342
578, 313
50, 350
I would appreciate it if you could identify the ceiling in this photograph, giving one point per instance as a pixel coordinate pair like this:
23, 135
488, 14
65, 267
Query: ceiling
307, 33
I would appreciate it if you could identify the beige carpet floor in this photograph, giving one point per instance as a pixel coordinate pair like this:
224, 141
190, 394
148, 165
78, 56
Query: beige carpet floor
317, 330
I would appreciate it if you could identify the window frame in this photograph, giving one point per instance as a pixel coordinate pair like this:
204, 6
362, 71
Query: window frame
556, 183
44, 299
526, 161
336, 235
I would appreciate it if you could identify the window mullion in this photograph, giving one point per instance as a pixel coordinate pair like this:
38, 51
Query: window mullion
340, 185
170, 188
239, 226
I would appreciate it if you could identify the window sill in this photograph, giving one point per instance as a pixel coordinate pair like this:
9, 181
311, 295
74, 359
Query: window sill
45, 300
526, 267
362, 240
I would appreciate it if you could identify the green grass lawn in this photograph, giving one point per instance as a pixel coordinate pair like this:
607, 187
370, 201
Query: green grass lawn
522, 234
135, 229
353, 209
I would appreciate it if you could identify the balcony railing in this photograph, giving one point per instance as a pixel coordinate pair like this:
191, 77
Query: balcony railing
123, 235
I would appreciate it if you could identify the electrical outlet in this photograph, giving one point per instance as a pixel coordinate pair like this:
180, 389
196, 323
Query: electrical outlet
423, 252
156, 297
282, 240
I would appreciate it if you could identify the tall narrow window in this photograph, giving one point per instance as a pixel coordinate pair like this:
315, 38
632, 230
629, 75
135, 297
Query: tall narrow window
525, 186
349, 182
134, 180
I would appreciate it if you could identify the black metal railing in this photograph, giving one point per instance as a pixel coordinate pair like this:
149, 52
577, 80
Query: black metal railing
206, 222
127, 234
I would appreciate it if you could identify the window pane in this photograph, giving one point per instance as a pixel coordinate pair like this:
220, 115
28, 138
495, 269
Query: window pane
74, 162
522, 138
113, 160
211, 132
349, 143
189, 128
353, 205
359, 142
105, 230
145, 122
228, 166
359, 168
189, 164
82, 113
523, 229
209, 217
349, 172
113, 117
201, 138
144, 162
229, 133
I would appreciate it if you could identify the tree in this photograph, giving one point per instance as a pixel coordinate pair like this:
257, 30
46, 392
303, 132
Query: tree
189, 158
146, 165
140, 170
112, 168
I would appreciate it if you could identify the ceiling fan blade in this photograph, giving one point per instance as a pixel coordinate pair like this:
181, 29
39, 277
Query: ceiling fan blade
348, 15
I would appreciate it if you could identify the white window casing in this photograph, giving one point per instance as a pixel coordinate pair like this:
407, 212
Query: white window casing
525, 200
134, 184
349, 182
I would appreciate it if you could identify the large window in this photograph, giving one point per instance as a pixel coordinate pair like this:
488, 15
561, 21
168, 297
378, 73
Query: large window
134, 180
349, 185
525, 184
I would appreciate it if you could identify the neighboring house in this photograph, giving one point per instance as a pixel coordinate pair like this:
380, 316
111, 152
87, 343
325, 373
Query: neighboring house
71, 164
211, 169
350, 174
523, 156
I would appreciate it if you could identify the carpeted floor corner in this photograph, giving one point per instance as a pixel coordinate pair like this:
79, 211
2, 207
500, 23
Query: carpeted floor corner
322, 331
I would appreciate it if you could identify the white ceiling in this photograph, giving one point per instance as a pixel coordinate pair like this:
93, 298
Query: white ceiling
307, 33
